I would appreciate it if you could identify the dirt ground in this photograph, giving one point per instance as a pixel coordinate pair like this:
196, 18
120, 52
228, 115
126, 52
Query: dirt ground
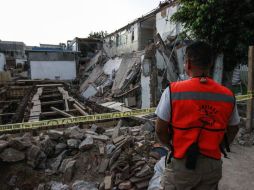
238, 171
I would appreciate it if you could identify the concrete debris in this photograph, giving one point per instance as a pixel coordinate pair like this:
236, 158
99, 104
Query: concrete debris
86, 144
36, 157
59, 148
73, 143
108, 182
67, 168
74, 132
125, 185
123, 162
56, 162
47, 146
84, 185
3, 144
55, 134
110, 148
58, 186
12, 155
148, 126
20, 143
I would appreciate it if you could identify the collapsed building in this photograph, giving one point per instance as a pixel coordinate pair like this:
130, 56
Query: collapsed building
126, 70
138, 60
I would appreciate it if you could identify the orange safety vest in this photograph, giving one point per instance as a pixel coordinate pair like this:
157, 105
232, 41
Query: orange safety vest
199, 111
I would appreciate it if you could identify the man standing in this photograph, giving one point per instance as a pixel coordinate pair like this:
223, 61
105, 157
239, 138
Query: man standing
193, 116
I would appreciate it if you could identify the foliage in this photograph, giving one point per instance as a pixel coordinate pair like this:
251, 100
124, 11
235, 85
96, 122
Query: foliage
98, 35
228, 25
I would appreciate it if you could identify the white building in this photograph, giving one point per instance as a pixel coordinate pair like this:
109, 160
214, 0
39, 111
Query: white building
52, 64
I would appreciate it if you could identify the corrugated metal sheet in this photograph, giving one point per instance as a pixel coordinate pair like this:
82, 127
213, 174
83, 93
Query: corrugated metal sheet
244, 74
240, 75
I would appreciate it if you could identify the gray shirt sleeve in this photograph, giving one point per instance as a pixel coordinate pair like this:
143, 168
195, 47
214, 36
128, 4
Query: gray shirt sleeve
163, 109
235, 118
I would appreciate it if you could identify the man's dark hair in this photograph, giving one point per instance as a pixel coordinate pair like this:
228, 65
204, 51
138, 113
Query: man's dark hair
200, 54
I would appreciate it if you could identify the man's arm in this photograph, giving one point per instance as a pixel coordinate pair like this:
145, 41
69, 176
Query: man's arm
162, 132
231, 132
233, 125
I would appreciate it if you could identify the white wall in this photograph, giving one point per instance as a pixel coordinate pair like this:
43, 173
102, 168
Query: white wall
66, 70
126, 44
145, 87
2, 61
163, 24
112, 65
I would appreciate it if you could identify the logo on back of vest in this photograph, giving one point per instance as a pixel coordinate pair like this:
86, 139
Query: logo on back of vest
207, 114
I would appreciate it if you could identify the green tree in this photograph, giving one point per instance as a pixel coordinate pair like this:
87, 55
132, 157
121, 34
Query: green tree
228, 25
98, 35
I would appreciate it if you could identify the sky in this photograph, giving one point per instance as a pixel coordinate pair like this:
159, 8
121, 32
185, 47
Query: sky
55, 21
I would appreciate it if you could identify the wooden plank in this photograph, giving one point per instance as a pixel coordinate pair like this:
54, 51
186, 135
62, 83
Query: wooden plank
48, 85
250, 104
52, 102
82, 112
61, 112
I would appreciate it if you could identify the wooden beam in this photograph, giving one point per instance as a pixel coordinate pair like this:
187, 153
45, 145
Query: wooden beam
4, 114
82, 112
61, 112
45, 114
52, 102
49, 85
50, 96
250, 104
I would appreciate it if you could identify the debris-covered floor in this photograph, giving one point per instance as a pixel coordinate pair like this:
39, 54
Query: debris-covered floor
80, 158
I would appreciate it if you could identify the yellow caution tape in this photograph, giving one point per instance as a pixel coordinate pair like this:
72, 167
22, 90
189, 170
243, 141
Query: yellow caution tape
74, 120
88, 118
245, 97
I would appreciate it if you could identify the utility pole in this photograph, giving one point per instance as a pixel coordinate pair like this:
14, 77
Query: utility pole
250, 103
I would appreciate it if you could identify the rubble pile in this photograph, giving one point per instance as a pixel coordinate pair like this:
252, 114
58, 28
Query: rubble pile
243, 136
79, 158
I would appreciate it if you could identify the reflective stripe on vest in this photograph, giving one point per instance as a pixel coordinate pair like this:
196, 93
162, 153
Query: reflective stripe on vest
202, 96
195, 106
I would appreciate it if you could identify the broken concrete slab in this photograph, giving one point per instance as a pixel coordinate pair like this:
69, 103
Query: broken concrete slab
47, 146
60, 147
148, 126
12, 155
73, 143
101, 147
118, 139
110, 148
125, 185
55, 134
3, 145
86, 144
84, 185
103, 165
20, 143
116, 131
103, 138
56, 162
108, 182
35, 157
142, 185
140, 179
74, 132
146, 170
67, 168
58, 186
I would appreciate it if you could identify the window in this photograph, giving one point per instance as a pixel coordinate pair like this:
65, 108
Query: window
117, 40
